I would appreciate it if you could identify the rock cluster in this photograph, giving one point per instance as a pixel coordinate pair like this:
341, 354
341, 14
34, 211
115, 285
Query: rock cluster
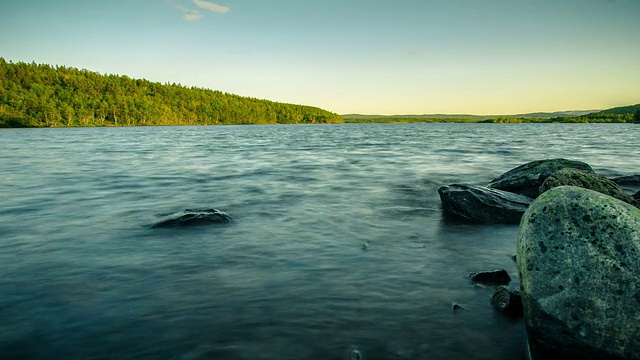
578, 255
507, 197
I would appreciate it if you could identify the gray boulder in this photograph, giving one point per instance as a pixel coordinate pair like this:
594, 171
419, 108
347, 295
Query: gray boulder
579, 264
526, 179
482, 204
194, 217
589, 181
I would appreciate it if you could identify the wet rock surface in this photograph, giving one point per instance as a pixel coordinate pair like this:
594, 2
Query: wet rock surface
482, 204
508, 300
194, 218
492, 277
527, 178
578, 254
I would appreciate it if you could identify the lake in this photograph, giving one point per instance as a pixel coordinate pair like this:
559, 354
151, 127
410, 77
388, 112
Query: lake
338, 243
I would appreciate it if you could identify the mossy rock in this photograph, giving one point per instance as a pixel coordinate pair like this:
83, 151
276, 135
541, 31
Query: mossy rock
526, 179
589, 181
578, 254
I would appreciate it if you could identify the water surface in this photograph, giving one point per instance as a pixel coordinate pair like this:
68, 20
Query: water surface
338, 241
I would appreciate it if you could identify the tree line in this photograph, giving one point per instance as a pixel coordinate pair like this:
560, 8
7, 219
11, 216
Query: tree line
40, 95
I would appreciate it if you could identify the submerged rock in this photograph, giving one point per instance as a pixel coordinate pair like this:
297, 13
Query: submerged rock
508, 300
633, 180
579, 264
587, 181
194, 217
483, 204
493, 277
526, 179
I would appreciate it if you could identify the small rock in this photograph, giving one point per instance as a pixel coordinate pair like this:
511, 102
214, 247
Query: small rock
508, 300
457, 307
194, 217
493, 277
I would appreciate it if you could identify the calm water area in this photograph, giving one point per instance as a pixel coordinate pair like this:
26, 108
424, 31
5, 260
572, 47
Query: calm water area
338, 241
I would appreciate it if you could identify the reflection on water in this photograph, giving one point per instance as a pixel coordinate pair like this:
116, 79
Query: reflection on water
338, 242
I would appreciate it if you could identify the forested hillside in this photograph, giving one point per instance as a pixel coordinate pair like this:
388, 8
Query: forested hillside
33, 95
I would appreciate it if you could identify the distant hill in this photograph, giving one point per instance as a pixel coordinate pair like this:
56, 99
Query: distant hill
33, 95
631, 109
619, 114
549, 115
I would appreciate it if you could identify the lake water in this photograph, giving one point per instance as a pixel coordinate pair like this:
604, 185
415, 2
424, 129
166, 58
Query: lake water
338, 241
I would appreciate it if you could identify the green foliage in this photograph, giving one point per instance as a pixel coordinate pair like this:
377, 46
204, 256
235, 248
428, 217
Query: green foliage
33, 95
636, 117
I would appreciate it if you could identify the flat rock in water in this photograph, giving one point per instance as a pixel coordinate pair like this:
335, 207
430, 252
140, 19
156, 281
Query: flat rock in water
589, 181
492, 277
579, 264
194, 217
508, 300
482, 204
526, 179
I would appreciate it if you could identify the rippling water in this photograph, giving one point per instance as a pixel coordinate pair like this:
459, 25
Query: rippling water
338, 241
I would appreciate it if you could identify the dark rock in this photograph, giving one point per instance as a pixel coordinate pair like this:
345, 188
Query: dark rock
194, 217
633, 180
637, 196
482, 204
526, 179
508, 300
494, 277
587, 181
457, 307
579, 264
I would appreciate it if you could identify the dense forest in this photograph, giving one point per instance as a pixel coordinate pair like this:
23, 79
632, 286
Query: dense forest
36, 95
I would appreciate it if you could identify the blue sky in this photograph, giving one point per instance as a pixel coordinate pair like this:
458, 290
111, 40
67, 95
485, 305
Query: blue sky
351, 56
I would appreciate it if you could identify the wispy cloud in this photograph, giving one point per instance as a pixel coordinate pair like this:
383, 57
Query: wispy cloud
190, 15
193, 17
208, 5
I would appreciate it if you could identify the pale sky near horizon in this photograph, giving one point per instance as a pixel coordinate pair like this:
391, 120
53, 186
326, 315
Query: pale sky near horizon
351, 56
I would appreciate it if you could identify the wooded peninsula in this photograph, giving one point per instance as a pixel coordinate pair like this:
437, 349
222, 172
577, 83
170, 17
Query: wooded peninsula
40, 95
33, 95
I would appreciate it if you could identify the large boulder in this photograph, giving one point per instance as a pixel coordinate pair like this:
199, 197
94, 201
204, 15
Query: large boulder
483, 204
589, 181
194, 217
579, 264
526, 179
